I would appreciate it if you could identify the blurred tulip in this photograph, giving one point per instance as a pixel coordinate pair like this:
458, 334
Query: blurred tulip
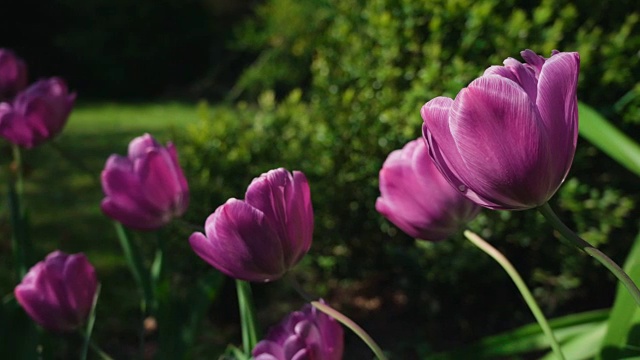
58, 292
261, 237
417, 198
304, 334
507, 140
36, 114
146, 189
13, 74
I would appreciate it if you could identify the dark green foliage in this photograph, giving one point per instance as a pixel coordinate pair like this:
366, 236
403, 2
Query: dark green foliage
120, 49
372, 67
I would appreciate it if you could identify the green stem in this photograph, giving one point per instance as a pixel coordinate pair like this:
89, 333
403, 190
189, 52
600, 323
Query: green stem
90, 322
141, 276
17, 160
158, 265
581, 244
377, 351
136, 265
88, 342
290, 278
103, 355
19, 221
521, 285
247, 316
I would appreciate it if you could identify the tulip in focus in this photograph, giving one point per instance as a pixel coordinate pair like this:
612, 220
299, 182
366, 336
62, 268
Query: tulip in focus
58, 292
417, 198
36, 114
13, 74
146, 189
261, 237
305, 334
507, 140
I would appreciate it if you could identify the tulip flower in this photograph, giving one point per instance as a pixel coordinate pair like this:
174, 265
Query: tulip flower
304, 334
507, 140
261, 237
13, 74
36, 114
417, 198
146, 189
58, 292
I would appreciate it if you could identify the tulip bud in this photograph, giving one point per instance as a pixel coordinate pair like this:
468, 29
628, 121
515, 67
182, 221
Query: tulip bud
36, 114
417, 198
146, 189
13, 74
305, 334
261, 237
507, 140
58, 292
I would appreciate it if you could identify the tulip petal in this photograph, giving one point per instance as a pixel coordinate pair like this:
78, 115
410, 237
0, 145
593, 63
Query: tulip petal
416, 197
183, 203
525, 77
15, 128
48, 291
139, 146
41, 111
267, 193
268, 350
125, 201
534, 60
299, 219
286, 201
302, 354
331, 333
158, 180
444, 151
558, 105
40, 310
13, 74
294, 346
53, 284
146, 189
81, 283
237, 243
435, 114
305, 334
505, 171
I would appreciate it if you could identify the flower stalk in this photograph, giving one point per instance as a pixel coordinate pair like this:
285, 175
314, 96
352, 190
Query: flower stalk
583, 245
522, 287
247, 316
344, 320
20, 236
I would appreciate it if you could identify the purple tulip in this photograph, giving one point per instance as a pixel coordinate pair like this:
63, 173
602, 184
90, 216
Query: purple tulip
36, 114
417, 198
261, 237
508, 139
146, 189
13, 74
305, 334
58, 292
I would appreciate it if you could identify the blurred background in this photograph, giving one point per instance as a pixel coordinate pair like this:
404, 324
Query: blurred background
329, 87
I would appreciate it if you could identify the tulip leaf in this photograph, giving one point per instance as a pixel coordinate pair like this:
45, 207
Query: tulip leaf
606, 137
584, 346
623, 334
530, 338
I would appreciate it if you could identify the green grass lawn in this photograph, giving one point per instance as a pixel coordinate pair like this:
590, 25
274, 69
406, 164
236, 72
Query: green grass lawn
63, 194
